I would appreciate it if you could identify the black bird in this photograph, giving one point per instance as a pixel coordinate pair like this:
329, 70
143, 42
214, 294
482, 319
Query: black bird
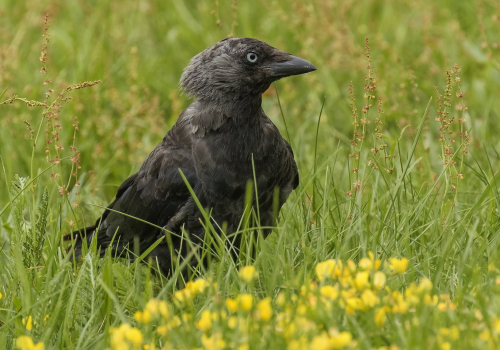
213, 143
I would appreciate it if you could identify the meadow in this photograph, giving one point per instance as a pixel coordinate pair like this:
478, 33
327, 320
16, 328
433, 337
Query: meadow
391, 240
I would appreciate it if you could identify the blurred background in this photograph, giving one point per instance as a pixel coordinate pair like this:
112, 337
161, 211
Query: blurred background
139, 49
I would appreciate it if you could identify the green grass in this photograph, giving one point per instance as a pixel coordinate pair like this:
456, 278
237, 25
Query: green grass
411, 201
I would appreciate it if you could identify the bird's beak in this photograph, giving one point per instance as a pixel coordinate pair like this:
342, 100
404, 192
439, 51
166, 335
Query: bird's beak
294, 66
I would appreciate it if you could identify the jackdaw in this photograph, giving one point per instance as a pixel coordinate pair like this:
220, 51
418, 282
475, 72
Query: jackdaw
218, 142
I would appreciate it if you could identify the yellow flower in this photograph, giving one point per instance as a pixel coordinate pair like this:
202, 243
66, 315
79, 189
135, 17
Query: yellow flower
197, 286
143, 316
329, 292
152, 306
134, 335
369, 298
379, 280
426, 284
248, 273
353, 304
0, 295
205, 322
28, 323
321, 342
401, 307
330, 268
380, 317
430, 300
46, 317
162, 330
341, 340
351, 265
163, 309
265, 309
182, 295
361, 280
441, 306
445, 346
232, 305
25, 342
365, 264
116, 335
245, 301
281, 299
120, 335
175, 322
213, 343
232, 322
399, 266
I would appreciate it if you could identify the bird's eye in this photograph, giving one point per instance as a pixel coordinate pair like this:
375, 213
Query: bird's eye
252, 57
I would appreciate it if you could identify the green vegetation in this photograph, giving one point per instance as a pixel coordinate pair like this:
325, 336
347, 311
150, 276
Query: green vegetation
391, 239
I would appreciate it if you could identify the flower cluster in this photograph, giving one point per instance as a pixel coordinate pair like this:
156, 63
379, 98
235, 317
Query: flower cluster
25, 342
311, 316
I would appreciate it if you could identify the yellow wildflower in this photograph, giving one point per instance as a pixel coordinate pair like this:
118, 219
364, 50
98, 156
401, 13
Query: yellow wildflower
232, 322
248, 273
329, 292
442, 306
380, 317
46, 317
213, 343
445, 346
143, 316
430, 300
25, 342
361, 280
265, 309
426, 284
163, 308
232, 305
351, 265
321, 342
341, 340
353, 304
376, 262
205, 322
245, 301
369, 298
0, 295
485, 335
183, 295
134, 335
301, 310
243, 347
330, 268
28, 323
281, 299
116, 334
197, 286
162, 330
401, 307
175, 322
299, 344
399, 266
365, 264
379, 280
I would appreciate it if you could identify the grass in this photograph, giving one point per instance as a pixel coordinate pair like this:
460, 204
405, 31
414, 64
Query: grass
395, 184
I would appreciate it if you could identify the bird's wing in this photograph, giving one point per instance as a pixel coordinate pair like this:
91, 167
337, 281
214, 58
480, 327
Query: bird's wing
154, 194
295, 170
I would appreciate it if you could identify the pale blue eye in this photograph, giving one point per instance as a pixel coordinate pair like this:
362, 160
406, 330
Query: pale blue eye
252, 57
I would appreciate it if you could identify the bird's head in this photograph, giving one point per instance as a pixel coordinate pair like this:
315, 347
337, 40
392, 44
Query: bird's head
237, 67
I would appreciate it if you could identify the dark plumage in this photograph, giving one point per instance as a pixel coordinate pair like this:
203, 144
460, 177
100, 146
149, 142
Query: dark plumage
212, 142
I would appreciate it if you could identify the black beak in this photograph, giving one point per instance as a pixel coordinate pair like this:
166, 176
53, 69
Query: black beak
294, 66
